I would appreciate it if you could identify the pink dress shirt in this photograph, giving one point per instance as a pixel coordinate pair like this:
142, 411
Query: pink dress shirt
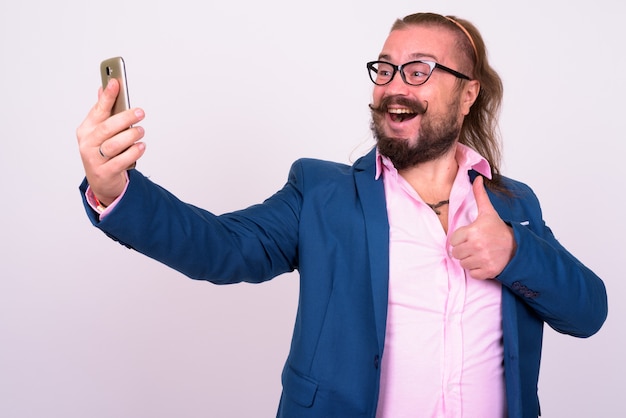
443, 354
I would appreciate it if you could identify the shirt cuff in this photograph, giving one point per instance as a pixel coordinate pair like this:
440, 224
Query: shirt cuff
97, 207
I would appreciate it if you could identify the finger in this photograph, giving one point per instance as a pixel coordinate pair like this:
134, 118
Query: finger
120, 142
482, 198
127, 158
116, 130
460, 252
475, 265
479, 274
458, 237
100, 111
106, 100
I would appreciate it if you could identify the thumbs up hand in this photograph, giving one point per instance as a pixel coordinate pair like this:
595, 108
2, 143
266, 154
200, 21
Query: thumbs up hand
485, 246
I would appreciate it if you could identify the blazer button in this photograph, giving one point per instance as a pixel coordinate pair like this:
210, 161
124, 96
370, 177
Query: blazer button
376, 361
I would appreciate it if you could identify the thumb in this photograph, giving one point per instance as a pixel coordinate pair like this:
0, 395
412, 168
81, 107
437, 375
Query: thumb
106, 98
482, 198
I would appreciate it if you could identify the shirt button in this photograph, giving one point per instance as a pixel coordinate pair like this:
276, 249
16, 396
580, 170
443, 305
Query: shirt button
376, 361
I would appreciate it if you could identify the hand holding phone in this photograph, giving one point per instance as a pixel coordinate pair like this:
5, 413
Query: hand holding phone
116, 68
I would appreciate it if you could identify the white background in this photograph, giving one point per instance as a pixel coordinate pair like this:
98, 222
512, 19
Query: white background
90, 329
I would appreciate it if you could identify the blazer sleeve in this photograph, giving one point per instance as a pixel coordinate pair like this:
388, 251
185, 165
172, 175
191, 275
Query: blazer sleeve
566, 294
253, 245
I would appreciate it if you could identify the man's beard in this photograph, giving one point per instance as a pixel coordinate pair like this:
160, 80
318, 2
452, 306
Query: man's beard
437, 135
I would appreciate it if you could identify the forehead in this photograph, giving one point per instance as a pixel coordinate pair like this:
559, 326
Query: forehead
416, 42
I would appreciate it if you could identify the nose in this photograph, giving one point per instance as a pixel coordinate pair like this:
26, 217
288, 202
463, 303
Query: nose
396, 86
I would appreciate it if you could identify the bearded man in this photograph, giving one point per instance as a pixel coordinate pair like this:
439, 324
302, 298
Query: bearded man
426, 276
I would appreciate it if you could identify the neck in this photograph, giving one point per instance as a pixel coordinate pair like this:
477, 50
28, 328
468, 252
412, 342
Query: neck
433, 180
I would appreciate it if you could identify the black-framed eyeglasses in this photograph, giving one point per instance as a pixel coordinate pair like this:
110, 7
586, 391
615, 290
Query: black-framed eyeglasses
413, 73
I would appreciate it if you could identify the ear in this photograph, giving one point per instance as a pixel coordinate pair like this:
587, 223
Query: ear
469, 95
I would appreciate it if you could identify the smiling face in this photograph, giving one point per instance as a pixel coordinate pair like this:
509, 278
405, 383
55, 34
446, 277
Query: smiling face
415, 124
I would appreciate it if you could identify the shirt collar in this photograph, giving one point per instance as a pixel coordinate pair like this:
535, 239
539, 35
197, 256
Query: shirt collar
466, 157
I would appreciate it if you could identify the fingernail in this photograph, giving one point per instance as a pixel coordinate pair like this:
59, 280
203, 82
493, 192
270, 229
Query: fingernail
139, 113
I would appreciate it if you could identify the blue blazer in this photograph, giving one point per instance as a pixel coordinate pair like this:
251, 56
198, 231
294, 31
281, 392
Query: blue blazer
329, 222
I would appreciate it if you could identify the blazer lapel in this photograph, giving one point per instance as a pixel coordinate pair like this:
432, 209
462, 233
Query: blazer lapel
372, 197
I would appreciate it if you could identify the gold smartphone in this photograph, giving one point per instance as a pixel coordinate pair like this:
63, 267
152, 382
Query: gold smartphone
116, 68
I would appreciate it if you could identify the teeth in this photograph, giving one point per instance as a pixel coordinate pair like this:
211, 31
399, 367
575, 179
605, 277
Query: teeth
400, 111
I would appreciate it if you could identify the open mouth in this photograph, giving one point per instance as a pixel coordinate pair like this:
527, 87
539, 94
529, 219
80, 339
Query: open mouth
401, 115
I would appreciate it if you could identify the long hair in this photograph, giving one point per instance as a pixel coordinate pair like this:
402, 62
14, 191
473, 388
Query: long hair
480, 129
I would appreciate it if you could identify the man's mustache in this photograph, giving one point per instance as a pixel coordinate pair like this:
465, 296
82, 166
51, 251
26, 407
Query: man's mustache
413, 105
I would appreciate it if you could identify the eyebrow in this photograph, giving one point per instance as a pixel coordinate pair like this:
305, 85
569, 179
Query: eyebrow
413, 56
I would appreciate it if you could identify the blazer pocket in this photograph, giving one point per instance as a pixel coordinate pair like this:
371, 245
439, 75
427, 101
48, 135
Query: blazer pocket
299, 388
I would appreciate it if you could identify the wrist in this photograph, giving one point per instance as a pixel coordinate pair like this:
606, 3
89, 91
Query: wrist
100, 207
